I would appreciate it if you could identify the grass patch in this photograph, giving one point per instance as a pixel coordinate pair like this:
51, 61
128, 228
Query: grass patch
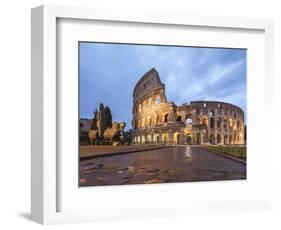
235, 151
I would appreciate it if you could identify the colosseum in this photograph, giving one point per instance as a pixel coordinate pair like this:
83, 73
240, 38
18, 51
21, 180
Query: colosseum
159, 121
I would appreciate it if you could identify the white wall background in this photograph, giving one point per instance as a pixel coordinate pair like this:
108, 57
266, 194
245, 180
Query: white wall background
15, 112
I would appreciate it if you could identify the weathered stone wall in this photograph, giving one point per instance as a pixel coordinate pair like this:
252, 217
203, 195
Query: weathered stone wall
201, 122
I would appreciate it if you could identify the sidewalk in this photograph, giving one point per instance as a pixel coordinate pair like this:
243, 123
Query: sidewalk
88, 152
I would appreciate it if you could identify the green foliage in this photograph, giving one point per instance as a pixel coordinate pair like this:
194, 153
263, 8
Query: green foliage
236, 151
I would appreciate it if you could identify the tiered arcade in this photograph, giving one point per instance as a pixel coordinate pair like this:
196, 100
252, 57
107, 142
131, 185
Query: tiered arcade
157, 121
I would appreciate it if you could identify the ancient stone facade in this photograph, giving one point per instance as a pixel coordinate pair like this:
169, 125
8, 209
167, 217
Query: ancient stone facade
155, 120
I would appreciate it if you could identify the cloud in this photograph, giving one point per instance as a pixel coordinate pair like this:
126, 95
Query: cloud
188, 73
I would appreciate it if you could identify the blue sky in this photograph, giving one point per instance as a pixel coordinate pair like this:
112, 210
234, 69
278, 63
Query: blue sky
109, 72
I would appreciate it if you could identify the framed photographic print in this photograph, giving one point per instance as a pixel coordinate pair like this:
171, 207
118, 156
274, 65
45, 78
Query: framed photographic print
139, 115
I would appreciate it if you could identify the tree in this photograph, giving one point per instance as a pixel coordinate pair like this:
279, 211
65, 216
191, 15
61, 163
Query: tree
105, 119
108, 117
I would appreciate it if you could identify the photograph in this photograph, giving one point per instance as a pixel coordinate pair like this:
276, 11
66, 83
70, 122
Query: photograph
152, 113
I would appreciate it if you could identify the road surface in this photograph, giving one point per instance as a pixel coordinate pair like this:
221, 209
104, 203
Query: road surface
172, 164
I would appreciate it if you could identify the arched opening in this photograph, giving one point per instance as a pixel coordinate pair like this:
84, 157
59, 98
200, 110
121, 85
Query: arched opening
178, 118
148, 139
218, 139
157, 120
150, 121
212, 139
165, 138
205, 121
166, 117
188, 122
150, 102
156, 138
230, 140
212, 121
144, 105
225, 140
188, 119
212, 112
143, 139
143, 123
230, 123
189, 138
225, 125
176, 137
158, 100
219, 123
198, 138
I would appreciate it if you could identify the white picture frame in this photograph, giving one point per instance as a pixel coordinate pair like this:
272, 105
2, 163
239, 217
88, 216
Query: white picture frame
46, 183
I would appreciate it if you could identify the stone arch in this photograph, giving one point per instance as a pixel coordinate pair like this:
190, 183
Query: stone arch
234, 124
189, 138
156, 138
218, 139
205, 121
150, 102
198, 138
176, 137
230, 123
144, 105
150, 121
143, 140
157, 117
219, 121
166, 118
143, 122
212, 122
179, 118
148, 139
225, 140
188, 119
212, 139
230, 140
225, 124
157, 102
165, 138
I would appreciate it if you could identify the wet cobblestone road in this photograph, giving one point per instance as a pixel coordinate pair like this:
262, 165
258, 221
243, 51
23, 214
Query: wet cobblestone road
172, 164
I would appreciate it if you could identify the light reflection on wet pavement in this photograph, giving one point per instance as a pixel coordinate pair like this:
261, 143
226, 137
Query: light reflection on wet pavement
172, 164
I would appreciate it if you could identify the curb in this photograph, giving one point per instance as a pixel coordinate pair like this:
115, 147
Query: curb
84, 158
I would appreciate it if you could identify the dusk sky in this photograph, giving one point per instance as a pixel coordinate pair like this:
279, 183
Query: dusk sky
109, 72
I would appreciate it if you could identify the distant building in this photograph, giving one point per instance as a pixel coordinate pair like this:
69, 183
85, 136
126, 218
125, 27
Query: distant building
155, 120
85, 124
